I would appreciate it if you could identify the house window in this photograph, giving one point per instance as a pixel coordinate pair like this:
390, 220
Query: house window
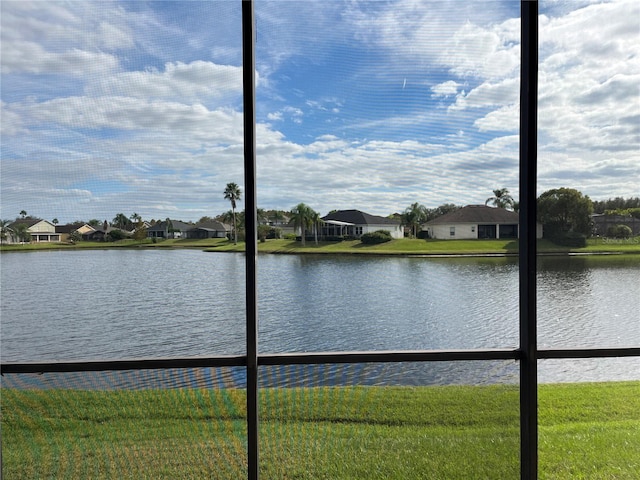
358, 231
473, 229
452, 231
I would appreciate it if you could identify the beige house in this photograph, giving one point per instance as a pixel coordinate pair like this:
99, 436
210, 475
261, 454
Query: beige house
40, 230
476, 222
65, 231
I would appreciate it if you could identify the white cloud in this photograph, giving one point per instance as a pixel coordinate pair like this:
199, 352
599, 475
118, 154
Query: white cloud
187, 82
446, 89
29, 57
164, 137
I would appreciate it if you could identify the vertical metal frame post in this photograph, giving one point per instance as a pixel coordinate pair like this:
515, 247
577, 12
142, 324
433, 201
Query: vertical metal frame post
527, 242
251, 249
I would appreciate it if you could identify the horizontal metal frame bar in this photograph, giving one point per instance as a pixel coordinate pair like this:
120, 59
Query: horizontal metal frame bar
388, 356
589, 352
313, 358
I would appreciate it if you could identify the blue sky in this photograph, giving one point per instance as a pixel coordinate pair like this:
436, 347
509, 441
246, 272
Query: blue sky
112, 107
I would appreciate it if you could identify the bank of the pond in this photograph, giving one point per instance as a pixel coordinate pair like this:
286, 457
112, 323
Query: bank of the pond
406, 246
431, 247
585, 431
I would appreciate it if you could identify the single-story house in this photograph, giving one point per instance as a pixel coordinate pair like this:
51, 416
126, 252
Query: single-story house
66, 230
169, 229
209, 229
476, 221
354, 223
40, 230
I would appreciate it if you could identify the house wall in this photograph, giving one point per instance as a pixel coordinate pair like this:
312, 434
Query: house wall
463, 231
43, 232
43, 227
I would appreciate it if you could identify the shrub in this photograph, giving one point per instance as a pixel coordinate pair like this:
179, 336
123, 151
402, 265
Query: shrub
619, 231
379, 236
115, 235
290, 236
571, 239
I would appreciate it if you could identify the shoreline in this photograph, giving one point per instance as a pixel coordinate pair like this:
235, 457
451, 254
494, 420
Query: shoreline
403, 247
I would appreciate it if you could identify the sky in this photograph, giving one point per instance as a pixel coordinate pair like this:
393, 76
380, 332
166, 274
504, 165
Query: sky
136, 107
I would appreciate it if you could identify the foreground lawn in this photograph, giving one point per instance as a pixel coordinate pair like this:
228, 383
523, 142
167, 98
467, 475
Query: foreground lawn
586, 431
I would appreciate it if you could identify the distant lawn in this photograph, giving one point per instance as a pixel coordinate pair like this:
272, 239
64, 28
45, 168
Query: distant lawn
408, 246
455, 432
403, 246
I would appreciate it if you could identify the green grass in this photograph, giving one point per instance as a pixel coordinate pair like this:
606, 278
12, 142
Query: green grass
408, 246
589, 431
403, 246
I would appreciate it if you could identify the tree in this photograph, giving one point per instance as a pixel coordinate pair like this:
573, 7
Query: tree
75, 237
277, 216
316, 221
302, 217
441, 210
233, 193
55, 221
501, 199
23, 213
5, 230
120, 221
563, 210
170, 229
414, 216
22, 232
140, 232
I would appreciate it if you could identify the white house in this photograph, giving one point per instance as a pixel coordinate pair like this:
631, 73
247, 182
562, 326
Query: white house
476, 221
354, 223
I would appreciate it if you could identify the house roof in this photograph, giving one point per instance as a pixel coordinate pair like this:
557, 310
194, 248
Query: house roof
212, 225
477, 214
359, 218
162, 226
70, 227
28, 221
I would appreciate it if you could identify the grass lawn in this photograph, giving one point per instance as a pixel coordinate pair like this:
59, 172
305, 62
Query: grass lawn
405, 246
455, 432
409, 246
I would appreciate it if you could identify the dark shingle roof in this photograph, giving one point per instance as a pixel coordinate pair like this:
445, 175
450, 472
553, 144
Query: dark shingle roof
359, 218
161, 226
212, 225
477, 214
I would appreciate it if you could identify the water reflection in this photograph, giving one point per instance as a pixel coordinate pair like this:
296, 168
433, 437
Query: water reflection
151, 303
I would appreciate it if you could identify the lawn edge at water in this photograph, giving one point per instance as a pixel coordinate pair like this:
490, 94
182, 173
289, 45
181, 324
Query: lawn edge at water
401, 247
587, 430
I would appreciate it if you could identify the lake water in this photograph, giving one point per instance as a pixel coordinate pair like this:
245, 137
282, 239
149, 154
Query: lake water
111, 304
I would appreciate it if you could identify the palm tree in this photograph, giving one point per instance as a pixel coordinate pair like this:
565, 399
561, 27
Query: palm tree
120, 221
301, 216
501, 199
315, 220
232, 193
170, 230
277, 215
5, 230
414, 216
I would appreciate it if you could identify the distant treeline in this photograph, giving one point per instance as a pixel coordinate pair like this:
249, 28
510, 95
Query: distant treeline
614, 205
